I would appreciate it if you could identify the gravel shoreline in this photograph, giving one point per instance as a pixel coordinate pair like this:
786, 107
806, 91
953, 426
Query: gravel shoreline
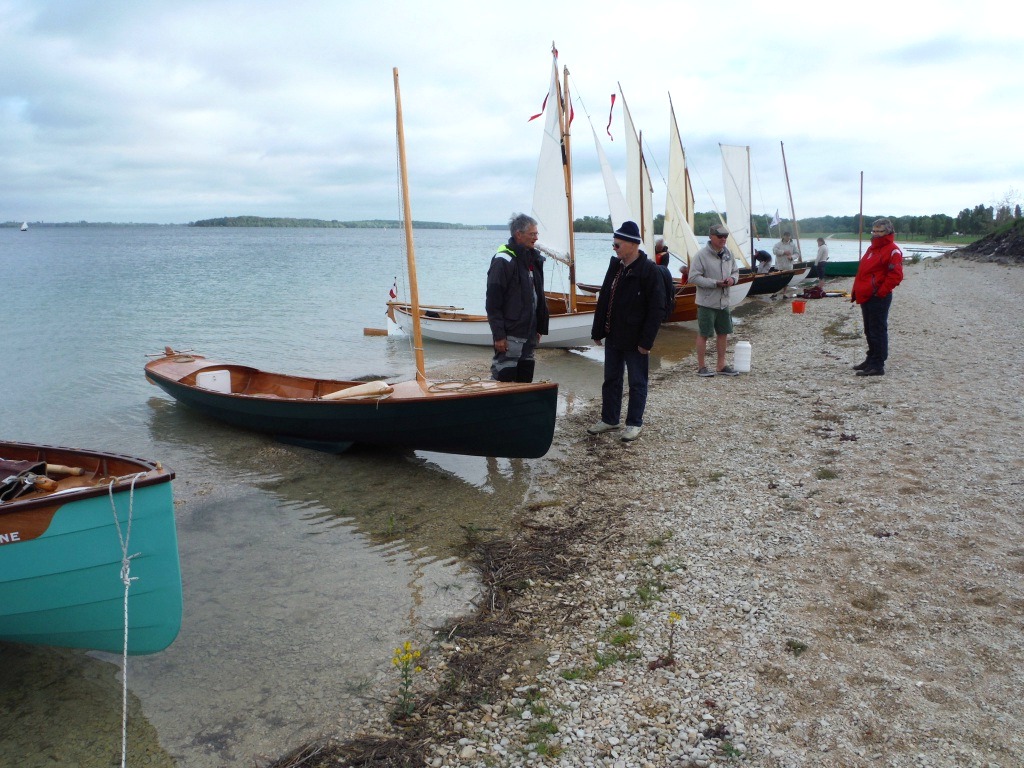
837, 561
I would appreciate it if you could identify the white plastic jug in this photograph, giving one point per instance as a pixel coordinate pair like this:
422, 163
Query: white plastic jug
741, 357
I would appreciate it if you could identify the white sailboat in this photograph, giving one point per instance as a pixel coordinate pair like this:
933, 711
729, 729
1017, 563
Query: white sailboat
552, 208
638, 206
639, 191
800, 263
736, 179
24, 226
679, 200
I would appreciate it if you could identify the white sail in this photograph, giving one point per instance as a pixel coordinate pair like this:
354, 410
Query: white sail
552, 208
679, 203
639, 192
618, 208
550, 198
736, 179
24, 226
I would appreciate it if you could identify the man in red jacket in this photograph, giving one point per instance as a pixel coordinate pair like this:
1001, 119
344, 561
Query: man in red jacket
880, 270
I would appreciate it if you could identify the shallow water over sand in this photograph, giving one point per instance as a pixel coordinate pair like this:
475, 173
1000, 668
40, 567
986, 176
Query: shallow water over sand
301, 571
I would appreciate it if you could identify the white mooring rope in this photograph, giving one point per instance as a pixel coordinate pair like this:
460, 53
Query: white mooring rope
126, 579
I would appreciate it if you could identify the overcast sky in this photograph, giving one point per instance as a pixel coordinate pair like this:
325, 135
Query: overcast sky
170, 112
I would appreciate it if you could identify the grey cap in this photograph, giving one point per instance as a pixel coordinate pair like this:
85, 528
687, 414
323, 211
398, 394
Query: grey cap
719, 230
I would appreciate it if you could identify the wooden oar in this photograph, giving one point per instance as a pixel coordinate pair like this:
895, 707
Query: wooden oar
61, 469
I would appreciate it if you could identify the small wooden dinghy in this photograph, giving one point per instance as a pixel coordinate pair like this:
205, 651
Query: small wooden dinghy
476, 418
68, 520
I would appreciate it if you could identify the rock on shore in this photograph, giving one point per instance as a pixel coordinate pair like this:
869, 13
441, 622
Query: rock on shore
835, 563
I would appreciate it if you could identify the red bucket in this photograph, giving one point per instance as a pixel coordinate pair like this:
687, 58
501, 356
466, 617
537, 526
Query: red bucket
799, 305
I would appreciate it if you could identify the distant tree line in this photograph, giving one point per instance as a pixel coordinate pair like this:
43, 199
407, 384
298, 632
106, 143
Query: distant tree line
977, 222
262, 221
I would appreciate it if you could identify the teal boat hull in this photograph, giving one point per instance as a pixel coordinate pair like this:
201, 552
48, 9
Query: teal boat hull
61, 565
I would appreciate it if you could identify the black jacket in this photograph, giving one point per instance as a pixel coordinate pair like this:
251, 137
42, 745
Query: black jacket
515, 283
670, 292
639, 305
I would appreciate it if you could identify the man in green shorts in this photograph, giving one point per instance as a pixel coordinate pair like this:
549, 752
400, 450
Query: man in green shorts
713, 271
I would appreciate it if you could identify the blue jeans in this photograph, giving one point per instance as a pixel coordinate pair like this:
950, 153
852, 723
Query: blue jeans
875, 312
636, 365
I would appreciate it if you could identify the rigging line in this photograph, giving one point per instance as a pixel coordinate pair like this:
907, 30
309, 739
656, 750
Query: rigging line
695, 171
126, 579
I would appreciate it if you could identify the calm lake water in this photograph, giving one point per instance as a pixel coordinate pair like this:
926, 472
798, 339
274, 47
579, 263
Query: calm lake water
301, 571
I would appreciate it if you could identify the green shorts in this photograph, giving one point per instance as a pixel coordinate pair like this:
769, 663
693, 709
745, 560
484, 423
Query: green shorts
713, 321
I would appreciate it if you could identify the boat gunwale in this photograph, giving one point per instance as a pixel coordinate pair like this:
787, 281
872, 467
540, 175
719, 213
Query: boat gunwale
155, 474
423, 393
460, 317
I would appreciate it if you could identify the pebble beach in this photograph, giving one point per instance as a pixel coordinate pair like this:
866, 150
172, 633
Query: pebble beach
793, 567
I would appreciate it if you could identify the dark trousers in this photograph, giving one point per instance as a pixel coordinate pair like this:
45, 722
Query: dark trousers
516, 363
636, 365
876, 328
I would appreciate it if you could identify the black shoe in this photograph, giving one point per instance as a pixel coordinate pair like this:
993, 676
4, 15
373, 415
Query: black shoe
861, 366
871, 372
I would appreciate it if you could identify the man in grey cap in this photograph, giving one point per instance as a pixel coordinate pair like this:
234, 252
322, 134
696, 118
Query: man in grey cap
713, 271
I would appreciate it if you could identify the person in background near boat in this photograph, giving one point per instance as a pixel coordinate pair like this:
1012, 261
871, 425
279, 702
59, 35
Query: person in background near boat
630, 308
785, 252
819, 262
763, 262
713, 270
661, 258
880, 270
516, 309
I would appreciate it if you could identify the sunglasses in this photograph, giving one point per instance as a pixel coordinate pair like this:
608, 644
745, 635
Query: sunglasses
615, 246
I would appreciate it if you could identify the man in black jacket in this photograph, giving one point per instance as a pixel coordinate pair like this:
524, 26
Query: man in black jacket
630, 308
516, 309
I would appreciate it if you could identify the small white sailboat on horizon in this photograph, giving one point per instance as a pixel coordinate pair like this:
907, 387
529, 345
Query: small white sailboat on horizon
24, 226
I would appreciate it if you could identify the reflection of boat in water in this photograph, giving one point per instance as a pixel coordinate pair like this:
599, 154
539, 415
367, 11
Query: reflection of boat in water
74, 524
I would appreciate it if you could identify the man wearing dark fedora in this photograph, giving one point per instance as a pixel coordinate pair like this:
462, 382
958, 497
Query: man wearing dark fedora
630, 308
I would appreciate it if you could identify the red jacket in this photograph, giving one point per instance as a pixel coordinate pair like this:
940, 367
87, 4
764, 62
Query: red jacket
880, 270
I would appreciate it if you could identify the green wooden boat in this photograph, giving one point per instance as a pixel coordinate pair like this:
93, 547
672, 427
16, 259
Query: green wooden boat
474, 418
64, 513
841, 268
832, 269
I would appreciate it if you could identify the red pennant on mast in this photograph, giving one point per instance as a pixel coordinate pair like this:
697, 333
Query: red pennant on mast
608, 128
554, 52
542, 108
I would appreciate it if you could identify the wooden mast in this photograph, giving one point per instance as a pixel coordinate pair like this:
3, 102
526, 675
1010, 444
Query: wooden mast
750, 211
792, 211
410, 250
564, 120
860, 227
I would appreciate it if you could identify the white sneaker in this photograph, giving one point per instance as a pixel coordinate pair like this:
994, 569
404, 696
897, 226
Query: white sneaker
601, 427
630, 433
